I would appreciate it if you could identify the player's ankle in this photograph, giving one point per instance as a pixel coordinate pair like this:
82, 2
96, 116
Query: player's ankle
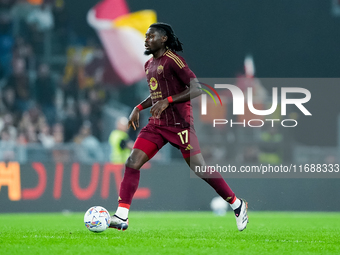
235, 204
122, 212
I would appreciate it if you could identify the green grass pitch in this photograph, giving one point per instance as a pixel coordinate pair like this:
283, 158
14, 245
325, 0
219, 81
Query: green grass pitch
173, 233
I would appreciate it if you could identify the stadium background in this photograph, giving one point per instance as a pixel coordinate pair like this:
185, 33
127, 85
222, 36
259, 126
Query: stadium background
287, 39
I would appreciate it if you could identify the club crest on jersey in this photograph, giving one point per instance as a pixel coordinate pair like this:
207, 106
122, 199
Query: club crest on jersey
160, 69
153, 83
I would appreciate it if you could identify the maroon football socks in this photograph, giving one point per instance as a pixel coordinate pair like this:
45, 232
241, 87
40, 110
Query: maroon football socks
216, 181
128, 187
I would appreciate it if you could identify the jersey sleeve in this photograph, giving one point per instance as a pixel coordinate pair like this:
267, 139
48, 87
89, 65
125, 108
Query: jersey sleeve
182, 70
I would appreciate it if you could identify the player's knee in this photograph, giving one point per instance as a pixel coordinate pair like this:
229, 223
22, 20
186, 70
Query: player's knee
133, 162
201, 175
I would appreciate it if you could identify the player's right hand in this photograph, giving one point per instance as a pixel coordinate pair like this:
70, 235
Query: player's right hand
134, 118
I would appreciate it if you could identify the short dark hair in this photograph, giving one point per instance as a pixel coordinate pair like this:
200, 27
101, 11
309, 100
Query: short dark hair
173, 42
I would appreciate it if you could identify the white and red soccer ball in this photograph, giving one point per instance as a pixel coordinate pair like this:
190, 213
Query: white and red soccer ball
97, 219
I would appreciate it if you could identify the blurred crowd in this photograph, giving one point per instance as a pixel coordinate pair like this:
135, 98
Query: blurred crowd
40, 104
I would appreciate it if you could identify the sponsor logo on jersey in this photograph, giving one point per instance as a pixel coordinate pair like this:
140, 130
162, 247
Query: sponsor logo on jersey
189, 147
153, 83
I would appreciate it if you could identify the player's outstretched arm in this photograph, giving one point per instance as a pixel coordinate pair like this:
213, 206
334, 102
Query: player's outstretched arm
134, 116
191, 92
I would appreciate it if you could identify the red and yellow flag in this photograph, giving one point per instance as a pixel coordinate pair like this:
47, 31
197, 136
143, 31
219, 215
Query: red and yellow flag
122, 35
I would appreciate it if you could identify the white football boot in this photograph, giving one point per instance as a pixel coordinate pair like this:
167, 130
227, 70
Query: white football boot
118, 223
241, 215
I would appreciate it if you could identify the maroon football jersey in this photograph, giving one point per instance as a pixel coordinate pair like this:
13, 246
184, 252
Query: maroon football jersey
169, 75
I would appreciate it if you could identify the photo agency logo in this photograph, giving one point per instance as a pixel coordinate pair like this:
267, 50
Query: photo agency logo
240, 101
204, 97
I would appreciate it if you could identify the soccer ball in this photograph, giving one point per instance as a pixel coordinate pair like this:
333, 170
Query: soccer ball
97, 219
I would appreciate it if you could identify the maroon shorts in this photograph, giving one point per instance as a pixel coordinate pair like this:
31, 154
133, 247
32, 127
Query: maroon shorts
184, 139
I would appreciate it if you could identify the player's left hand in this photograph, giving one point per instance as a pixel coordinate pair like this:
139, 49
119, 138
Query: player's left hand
158, 108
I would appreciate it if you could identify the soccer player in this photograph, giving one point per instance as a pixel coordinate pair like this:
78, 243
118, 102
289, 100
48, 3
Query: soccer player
171, 85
